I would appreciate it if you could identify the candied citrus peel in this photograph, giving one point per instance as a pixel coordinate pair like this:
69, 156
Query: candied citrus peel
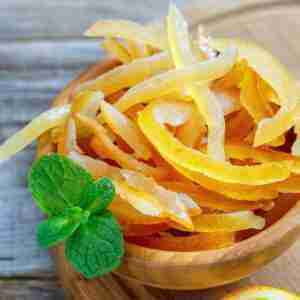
196, 242
208, 105
261, 292
128, 75
126, 129
127, 30
39, 125
172, 80
278, 78
228, 222
174, 151
102, 140
114, 48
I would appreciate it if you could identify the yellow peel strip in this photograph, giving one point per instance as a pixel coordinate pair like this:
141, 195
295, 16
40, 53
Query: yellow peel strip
233, 191
205, 100
126, 129
115, 48
122, 158
171, 80
128, 75
45, 121
127, 30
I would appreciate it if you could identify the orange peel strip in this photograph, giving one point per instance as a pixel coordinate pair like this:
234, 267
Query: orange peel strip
47, 120
213, 200
127, 30
149, 204
141, 201
278, 77
113, 47
242, 152
102, 141
126, 213
174, 113
171, 80
192, 131
143, 229
228, 222
128, 75
239, 126
137, 50
207, 104
261, 292
257, 107
174, 151
200, 241
173, 200
290, 185
233, 191
126, 129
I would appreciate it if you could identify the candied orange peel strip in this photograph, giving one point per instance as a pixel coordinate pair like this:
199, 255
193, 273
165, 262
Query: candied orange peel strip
228, 222
114, 48
128, 75
208, 105
174, 151
127, 30
212, 200
278, 77
230, 190
197, 242
126, 129
125, 160
171, 80
261, 292
39, 125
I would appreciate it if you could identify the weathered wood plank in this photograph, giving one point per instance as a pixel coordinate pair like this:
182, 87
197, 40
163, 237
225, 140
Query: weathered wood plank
19, 252
30, 289
56, 18
30, 55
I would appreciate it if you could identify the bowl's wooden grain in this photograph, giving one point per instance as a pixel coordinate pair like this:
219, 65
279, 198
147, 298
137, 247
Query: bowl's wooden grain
199, 270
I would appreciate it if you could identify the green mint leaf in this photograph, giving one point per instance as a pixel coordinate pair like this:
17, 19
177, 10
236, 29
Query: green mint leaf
98, 195
57, 183
96, 248
56, 229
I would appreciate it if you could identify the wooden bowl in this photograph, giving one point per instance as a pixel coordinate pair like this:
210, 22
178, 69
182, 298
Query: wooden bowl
185, 270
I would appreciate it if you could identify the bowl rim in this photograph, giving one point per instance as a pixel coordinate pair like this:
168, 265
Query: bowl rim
156, 257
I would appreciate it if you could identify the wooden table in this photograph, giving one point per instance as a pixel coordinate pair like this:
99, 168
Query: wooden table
41, 49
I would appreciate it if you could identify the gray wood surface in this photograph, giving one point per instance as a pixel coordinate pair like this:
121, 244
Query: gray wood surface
41, 49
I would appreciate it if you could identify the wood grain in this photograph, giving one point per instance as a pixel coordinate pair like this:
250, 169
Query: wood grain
33, 289
46, 51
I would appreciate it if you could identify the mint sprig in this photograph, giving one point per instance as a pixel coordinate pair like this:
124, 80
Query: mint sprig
76, 206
